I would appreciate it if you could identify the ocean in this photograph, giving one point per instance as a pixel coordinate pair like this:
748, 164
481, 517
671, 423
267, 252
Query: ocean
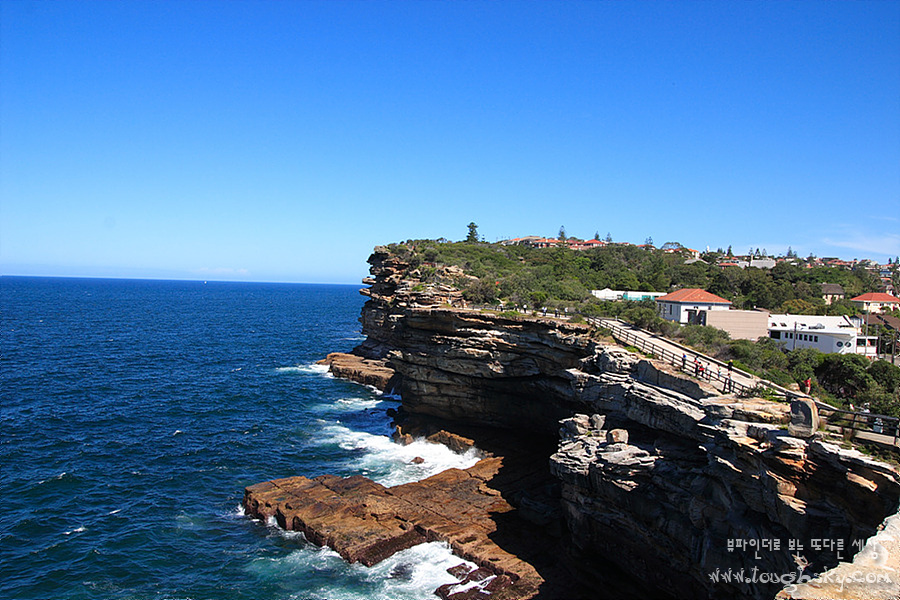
135, 412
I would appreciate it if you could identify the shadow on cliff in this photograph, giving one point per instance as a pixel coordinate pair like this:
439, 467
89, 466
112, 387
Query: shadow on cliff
535, 531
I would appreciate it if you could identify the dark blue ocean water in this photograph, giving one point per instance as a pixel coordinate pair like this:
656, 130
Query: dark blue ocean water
134, 413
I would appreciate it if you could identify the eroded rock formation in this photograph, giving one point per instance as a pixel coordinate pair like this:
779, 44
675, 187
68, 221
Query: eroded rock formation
679, 490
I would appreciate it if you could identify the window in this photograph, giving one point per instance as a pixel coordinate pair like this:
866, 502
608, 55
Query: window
840, 344
775, 335
815, 338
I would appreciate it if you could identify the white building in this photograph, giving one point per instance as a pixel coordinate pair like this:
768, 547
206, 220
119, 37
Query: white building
608, 294
685, 306
838, 335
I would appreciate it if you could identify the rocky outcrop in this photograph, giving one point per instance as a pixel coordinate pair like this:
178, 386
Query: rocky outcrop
367, 371
469, 509
683, 492
649, 499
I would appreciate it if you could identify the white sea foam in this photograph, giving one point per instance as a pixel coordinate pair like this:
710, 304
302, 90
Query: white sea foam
290, 535
357, 403
313, 368
464, 587
389, 463
76, 530
411, 574
54, 478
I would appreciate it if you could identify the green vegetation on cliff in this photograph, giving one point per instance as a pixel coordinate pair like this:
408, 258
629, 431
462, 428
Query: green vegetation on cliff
563, 277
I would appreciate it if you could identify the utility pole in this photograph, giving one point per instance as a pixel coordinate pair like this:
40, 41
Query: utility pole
893, 345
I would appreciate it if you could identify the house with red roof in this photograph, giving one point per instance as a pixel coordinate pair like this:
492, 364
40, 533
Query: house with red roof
876, 302
685, 305
585, 244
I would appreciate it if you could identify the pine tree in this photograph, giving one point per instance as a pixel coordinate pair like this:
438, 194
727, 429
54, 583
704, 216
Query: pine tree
608, 238
473, 232
562, 233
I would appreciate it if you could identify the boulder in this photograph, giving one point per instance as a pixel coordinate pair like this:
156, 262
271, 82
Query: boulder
617, 436
804, 418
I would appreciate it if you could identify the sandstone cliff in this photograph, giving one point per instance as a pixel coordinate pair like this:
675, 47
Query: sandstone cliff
660, 478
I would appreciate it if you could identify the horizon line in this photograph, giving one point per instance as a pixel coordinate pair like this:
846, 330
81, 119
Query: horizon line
171, 279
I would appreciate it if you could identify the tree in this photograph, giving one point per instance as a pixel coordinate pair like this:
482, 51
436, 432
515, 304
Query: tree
648, 241
596, 235
845, 375
798, 306
886, 375
728, 252
562, 233
482, 291
473, 232
608, 238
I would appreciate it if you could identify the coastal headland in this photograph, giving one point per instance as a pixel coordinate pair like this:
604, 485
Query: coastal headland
605, 473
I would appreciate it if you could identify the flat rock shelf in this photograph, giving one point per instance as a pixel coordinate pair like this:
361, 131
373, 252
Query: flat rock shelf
366, 522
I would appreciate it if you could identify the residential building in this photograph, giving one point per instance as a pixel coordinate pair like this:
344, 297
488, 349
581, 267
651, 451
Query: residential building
759, 263
585, 244
839, 335
876, 302
832, 292
685, 305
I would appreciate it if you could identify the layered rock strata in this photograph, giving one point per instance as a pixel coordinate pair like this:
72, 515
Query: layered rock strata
469, 509
689, 493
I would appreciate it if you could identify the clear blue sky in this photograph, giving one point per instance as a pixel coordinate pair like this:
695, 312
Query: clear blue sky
281, 141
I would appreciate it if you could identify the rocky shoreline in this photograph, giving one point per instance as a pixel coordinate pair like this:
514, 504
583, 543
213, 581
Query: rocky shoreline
606, 474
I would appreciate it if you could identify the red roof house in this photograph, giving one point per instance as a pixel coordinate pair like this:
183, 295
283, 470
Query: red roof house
876, 302
685, 305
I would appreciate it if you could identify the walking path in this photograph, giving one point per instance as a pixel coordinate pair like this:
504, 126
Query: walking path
870, 427
720, 375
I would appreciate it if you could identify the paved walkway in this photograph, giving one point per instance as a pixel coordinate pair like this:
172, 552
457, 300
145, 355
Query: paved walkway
701, 366
718, 375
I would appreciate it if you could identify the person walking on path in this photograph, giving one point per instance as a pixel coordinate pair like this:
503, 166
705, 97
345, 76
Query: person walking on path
684, 362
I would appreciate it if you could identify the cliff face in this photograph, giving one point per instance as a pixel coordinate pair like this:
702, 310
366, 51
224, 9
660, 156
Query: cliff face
458, 364
665, 480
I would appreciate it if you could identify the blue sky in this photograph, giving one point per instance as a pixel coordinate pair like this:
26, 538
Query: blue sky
281, 141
